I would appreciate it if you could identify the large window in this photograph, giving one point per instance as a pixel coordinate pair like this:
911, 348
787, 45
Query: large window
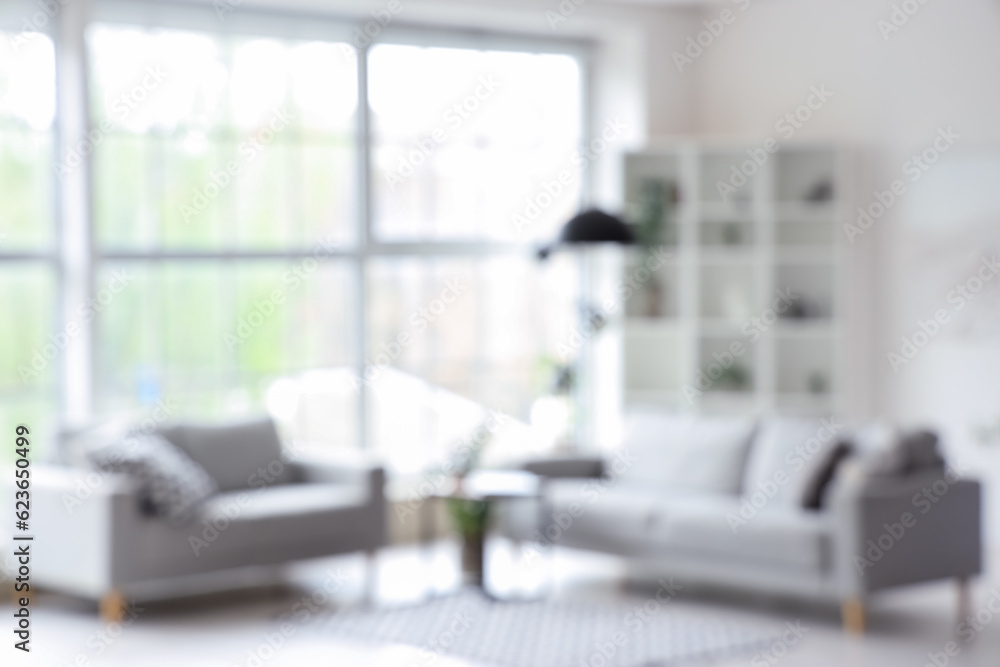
464, 140
224, 196
30, 338
343, 237
221, 142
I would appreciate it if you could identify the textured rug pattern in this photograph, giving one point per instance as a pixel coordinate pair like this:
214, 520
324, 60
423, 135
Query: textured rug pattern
556, 633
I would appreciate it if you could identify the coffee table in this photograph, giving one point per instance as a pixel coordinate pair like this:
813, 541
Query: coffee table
485, 486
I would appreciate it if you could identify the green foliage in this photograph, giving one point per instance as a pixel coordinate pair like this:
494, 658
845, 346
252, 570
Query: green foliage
469, 516
734, 378
25, 188
652, 210
554, 376
654, 226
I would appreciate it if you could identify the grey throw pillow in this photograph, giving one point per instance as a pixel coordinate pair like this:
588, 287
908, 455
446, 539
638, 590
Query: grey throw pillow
823, 476
171, 484
908, 453
237, 455
788, 457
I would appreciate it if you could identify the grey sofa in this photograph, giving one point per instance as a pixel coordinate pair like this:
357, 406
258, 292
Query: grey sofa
94, 540
724, 502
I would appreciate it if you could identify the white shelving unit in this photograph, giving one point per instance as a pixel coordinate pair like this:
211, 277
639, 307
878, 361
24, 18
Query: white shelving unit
732, 256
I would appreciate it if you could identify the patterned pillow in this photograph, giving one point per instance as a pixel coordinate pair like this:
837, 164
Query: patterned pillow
171, 484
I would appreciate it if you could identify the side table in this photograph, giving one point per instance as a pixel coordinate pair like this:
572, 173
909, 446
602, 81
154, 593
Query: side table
486, 486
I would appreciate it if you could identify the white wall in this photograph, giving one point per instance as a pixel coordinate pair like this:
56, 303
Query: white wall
941, 69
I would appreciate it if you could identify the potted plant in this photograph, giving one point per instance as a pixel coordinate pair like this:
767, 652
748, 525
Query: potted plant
471, 517
653, 227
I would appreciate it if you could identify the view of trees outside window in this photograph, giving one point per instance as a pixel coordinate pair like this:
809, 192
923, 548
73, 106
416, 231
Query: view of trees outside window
233, 271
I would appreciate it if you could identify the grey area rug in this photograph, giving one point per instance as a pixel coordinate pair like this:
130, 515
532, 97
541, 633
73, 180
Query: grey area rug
556, 633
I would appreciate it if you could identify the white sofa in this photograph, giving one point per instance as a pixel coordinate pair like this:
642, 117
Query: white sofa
723, 501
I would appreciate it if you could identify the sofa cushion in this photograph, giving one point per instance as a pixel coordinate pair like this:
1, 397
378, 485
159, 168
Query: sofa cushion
624, 519
290, 513
237, 456
284, 502
786, 459
683, 453
591, 515
171, 485
776, 536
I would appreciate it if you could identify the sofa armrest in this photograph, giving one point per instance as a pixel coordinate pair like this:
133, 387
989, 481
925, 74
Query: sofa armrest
82, 521
357, 470
566, 466
893, 531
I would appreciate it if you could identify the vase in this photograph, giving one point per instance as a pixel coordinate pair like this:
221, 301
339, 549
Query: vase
472, 559
654, 298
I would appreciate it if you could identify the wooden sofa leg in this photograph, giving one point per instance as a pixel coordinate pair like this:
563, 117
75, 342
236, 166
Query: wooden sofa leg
964, 599
852, 611
112, 607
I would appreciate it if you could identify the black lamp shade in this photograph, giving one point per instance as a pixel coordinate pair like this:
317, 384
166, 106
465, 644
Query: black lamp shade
596, 226
591, 226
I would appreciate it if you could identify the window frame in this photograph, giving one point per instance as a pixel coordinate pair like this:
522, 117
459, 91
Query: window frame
79, 392
46, 257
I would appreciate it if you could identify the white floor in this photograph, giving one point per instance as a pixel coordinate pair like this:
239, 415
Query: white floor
240, 628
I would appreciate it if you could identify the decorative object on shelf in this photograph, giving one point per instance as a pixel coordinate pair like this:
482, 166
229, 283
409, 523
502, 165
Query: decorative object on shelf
652, 209
654, 226
654, 297
818, 383
733, 378
732, 233
820, 192
797, 310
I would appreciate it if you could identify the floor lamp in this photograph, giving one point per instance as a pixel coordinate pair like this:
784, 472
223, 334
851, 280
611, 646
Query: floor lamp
586, 231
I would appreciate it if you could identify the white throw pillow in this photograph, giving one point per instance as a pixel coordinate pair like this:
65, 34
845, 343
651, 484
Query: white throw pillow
75, 444
690, 454
171, 484
785, 457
